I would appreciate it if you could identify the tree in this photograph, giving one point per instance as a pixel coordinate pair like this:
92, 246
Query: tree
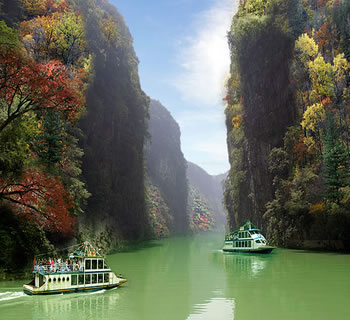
8, 37
40, 197
27, 86
49, 142
336, 162
57, 36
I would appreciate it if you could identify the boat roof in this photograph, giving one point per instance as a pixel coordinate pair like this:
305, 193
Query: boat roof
246, 226
85, 250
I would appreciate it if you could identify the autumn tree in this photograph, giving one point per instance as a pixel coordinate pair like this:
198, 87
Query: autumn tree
43, 7
57, 36
40, 197
27, 86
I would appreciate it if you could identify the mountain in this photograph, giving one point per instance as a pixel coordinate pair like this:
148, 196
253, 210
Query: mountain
114, 129
211, 187
72, 137
286, 116
166, 165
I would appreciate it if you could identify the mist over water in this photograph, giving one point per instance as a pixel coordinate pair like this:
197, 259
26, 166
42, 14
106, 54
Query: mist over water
190, 278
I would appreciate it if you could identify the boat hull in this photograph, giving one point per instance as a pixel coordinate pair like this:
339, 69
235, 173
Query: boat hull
30, 290
258, 250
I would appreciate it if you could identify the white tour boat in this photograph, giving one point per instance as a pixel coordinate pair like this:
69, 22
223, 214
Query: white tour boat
247, 238
84, 270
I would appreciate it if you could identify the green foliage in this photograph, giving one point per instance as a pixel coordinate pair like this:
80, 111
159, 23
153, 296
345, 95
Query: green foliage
336, 163
306, 49
15, 142
50, 139
8, 37
321, 74
20, 241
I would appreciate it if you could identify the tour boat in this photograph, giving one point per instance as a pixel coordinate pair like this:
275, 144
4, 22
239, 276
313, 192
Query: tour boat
84, 270
247, 238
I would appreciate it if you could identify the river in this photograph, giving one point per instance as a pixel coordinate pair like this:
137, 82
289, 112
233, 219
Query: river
190, 278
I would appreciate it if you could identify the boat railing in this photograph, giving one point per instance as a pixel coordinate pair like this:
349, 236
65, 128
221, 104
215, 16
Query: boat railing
58, 268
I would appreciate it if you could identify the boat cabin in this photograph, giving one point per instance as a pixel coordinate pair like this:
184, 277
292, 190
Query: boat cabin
246, 238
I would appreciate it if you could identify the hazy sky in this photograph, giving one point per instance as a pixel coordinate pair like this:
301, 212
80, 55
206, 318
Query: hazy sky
184, 59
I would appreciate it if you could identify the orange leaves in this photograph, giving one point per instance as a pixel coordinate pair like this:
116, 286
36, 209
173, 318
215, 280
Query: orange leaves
237, 121
324, 37
40, 197
318, 207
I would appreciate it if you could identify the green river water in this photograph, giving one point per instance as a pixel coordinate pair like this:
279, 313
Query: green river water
190, 278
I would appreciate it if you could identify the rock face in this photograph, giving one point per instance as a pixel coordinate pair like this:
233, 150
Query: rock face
114, 129
260, 108
211, 187
166, 165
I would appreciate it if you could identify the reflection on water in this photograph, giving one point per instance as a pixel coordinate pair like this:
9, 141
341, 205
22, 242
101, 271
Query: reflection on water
95, 304
216, 308
242, 263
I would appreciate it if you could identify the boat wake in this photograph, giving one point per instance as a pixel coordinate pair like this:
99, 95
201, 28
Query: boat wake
97, 292
10, 295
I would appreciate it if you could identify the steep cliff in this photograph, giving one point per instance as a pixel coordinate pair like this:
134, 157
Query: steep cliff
113, 128
260, 107
287, 117
166, 165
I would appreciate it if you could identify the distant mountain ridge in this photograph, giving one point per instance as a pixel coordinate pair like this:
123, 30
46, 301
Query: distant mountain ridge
210, 187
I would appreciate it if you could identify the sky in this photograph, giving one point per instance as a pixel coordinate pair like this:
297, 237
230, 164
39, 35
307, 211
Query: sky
184, 60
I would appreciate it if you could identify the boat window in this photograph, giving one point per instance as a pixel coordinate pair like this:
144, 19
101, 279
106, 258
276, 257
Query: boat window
257, 241
67, 279
81, 279
100, 264
94, 278
87, 264
105, 266
87, 279
54, 279
59, 279
100, 278
106, 277
49, 279
73, 280
94, 264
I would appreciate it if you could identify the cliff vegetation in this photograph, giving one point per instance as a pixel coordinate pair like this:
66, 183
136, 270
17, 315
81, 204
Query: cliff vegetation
287, 117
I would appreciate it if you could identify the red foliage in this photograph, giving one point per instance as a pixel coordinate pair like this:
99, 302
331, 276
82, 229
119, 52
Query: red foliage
26, 85
41, 198
228, 99
324, 37
300, 149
